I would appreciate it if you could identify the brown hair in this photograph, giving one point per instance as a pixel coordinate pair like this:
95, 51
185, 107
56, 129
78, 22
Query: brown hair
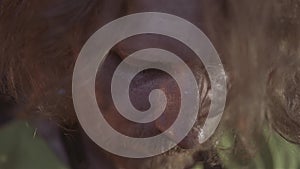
40, 42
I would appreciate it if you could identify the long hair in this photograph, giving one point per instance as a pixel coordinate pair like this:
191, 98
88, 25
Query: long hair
41, 40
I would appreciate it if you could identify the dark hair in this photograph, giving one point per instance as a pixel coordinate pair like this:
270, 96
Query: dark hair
40, 42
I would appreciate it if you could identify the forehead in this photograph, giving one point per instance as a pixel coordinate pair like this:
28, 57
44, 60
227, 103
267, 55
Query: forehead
192, 10
182, 7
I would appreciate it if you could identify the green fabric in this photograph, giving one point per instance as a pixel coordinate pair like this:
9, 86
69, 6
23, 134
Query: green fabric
198, 166
20, 148
274, 153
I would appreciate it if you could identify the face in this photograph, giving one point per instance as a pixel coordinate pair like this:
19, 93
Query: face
151, 79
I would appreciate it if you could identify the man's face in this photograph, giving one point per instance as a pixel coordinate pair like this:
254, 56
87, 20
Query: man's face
151, 79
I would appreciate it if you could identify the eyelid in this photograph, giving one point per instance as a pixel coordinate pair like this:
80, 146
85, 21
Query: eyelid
137, 61
121, 51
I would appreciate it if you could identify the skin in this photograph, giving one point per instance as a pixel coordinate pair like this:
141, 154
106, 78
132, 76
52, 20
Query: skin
43, 39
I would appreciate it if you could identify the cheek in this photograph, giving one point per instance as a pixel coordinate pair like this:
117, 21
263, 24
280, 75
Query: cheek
138, 95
